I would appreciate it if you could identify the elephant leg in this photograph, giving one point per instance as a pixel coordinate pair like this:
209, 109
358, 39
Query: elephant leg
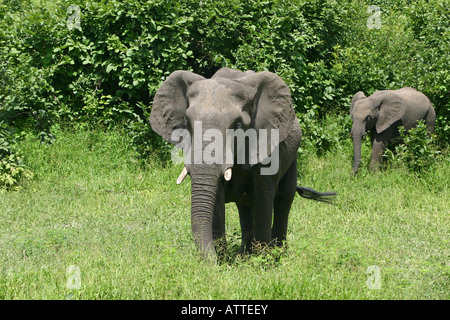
264, 193
282, 204
379, 143
218, 227
246, 220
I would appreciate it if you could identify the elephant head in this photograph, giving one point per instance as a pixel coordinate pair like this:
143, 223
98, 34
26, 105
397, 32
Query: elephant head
378, 111
229, 100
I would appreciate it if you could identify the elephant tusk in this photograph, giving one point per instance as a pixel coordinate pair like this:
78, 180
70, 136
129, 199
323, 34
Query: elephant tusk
182, 176
227, 174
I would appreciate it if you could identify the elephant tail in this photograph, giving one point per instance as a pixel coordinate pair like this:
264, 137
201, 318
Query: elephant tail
309, 193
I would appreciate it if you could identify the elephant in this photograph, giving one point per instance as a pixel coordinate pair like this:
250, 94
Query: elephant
381, 114
234, 101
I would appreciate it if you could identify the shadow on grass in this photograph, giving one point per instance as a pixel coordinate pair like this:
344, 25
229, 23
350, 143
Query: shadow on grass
261, 256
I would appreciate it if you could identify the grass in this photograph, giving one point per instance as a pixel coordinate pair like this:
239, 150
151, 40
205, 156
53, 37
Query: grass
127, 228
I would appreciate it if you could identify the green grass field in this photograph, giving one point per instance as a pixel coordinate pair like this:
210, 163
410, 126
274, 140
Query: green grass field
126, 229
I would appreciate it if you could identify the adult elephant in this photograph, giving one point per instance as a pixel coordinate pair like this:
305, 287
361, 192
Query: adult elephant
259, 176
381, 114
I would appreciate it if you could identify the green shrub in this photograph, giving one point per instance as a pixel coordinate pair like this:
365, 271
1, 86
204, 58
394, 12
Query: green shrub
323, 135
417, 151
97, 73
12, 168
13, 171
146, 143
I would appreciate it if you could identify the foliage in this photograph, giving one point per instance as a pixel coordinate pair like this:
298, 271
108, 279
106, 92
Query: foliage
292, 38
330, 133
417, 150
12, 167
146, 142
12, 171
97, 73
101, 68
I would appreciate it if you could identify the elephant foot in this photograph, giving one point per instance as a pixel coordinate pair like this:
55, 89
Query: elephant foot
246, 248
279, 242
375, 167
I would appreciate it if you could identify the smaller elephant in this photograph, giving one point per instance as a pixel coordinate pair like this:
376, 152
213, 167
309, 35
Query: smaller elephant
381, 114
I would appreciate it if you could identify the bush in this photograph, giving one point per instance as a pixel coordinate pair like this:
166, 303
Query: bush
13, 171
97, 73
12, 168
417, 151
146, 143
321, 136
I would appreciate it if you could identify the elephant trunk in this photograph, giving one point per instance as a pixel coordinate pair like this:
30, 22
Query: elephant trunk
204, 190
357, 134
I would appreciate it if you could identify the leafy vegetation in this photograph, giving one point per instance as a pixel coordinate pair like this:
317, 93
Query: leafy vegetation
99, 63
417, 149
12, 167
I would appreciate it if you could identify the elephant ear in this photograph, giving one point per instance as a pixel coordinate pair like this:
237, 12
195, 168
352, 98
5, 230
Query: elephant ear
272, 105
359, 95
170, 103
392, 108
